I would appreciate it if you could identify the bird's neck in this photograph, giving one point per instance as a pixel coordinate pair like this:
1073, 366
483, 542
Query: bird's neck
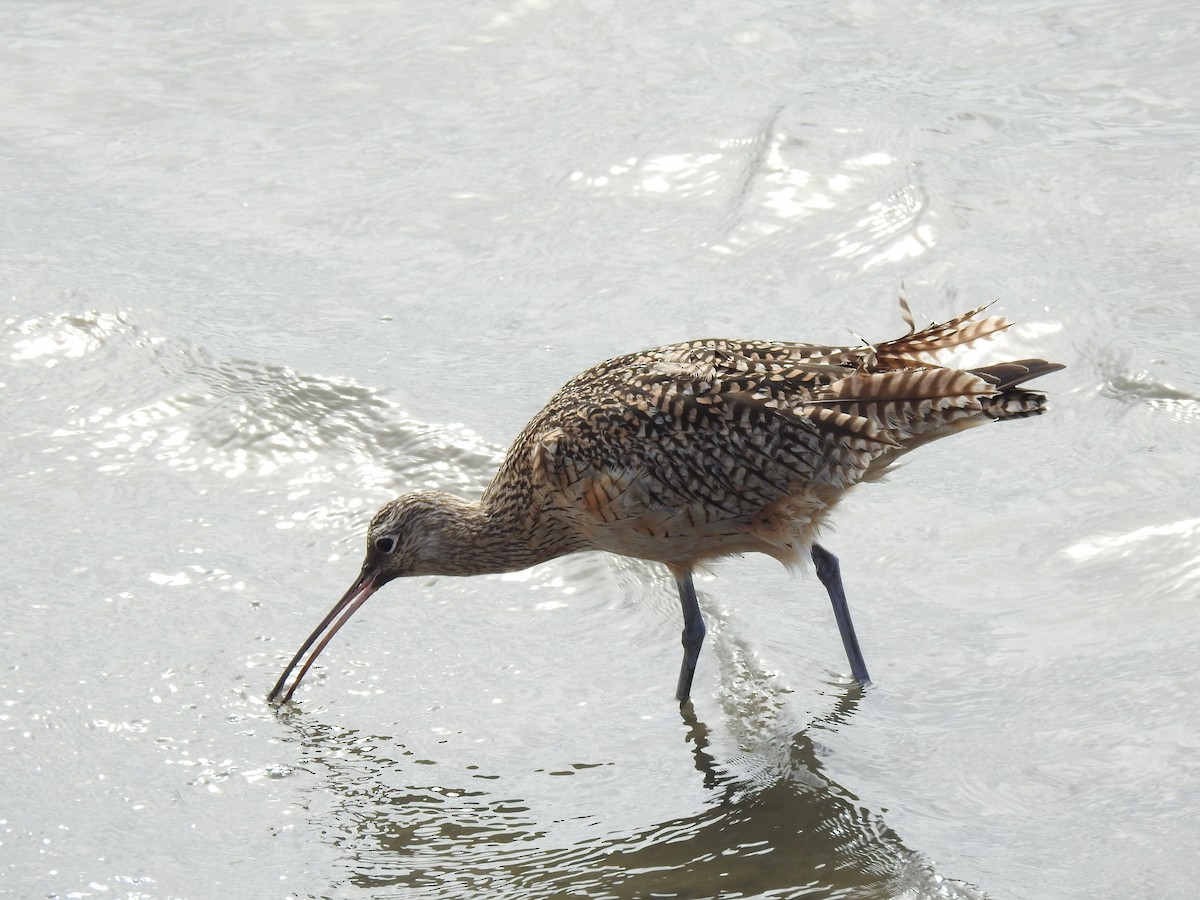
494, 536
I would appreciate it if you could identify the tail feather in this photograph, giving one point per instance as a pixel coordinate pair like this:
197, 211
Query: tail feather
1009, 374
922, 348
1008, 402
898, 395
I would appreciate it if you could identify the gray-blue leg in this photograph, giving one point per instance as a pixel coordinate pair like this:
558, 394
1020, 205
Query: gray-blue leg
830, 574
693, 633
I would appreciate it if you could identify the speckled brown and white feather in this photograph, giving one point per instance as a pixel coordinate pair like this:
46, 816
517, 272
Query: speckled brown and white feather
704, 448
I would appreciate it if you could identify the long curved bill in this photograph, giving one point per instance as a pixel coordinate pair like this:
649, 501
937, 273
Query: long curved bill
364, 586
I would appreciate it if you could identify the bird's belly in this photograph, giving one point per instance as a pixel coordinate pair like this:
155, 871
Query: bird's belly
784, 530
683, 549
617, 511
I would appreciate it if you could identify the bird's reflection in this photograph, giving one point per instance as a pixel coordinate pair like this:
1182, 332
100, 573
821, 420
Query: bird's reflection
698, 737
803, 753
796, 833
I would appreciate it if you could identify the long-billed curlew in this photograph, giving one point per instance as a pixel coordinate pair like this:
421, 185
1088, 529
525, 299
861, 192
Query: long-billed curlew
693, 451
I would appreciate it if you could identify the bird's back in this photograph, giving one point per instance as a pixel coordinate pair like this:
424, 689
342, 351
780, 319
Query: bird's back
703, 448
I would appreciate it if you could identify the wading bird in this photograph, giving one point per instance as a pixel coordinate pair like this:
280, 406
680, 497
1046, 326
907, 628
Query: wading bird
693, 451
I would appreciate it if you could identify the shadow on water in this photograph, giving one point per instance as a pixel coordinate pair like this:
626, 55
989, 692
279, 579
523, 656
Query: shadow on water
796, 835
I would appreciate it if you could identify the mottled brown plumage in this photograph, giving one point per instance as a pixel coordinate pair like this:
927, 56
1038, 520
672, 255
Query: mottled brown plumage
696, 450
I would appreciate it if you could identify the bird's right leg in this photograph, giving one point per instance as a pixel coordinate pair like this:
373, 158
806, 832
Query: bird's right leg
693, 631
830, 574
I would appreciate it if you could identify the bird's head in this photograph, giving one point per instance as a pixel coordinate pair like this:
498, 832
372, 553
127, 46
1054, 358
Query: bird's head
418, 534
427, 533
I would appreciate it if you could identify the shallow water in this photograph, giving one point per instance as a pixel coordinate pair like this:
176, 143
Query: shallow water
263, 269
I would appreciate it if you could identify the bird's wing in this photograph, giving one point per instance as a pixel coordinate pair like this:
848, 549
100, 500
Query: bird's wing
699, 433
719, 431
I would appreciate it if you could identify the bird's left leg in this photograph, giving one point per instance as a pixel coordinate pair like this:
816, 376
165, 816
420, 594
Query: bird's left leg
830, 574
693, 631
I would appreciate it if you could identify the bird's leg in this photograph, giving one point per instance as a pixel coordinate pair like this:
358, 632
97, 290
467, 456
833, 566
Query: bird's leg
830, 574
693, 631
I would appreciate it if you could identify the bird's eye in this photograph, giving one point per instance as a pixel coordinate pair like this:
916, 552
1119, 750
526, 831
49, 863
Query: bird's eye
385, 544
